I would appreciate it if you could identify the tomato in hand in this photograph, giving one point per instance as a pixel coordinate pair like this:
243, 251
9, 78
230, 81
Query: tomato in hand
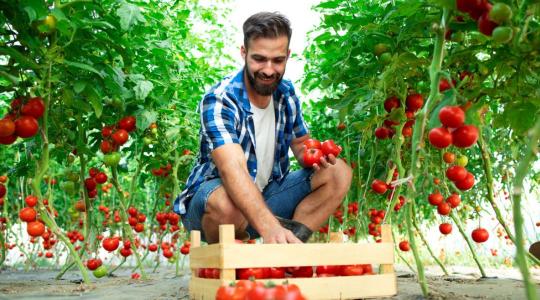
312, 144
312, 156
329, 147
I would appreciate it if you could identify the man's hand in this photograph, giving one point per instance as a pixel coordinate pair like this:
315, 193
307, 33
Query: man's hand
280, 235
325, 162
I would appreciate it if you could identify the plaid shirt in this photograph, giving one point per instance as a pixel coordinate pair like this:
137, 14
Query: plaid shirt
226, 118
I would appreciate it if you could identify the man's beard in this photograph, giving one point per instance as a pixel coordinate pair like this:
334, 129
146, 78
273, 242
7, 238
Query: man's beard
261, 88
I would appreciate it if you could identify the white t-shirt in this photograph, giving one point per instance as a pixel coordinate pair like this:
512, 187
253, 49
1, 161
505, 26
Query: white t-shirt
264, 120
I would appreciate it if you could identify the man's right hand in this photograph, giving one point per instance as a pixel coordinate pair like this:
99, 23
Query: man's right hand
280, 235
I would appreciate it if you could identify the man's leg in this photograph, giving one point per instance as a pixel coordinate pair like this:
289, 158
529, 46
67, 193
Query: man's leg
221, 210
329, 186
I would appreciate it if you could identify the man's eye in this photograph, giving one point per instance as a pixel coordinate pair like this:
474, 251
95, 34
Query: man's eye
260, 59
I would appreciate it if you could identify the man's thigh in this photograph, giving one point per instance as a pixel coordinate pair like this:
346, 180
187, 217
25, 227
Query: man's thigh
192, 219
283, 198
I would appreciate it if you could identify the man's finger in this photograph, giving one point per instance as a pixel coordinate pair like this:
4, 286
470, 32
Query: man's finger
291, 238
316, 167
332, 159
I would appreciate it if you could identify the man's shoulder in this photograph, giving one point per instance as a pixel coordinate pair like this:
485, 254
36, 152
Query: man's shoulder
230, 84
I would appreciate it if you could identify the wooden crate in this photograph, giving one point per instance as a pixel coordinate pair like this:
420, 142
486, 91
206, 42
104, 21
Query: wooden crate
228, 256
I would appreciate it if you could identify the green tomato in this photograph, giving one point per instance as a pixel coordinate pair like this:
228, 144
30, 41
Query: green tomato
69, 187
458, 36
111, 159
380, 48
147, 141
154, 131
100, 271
462, 160
500, 13
385, 58
502, 34
483, 70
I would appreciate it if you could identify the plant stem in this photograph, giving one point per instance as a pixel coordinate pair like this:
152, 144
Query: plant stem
521, 173
486, 159
466, 238
429, 248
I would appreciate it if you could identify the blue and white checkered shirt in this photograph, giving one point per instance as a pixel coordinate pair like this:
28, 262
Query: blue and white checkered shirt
226, 118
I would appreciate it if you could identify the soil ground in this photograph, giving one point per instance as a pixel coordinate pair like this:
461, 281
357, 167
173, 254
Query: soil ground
463, 283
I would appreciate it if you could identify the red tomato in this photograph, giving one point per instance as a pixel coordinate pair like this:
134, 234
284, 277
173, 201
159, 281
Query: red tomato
465, 136
106, 147
35, 228
93, 263
152, 247
454, 200
312, 156
127, 123
90, 184
7, 127
352, 270
277, 272
404, 246
449, 157
414, 102
391, 103
246, 273
31, 201
480, 235
467, 183
120, 136
301, 271
288, 292
27, 214
2, 190
101, 178
26, 126
440, 137
327, 270
382, 133
184, 250
445, 85
8, 140
485, 25
445, 228
257, 292
225, 292
452, 116
407, 131
329, 147
110, 244
34, 108
444, 209
106, 131
312, 144
435, 198
379, 186
456, 173
368, 269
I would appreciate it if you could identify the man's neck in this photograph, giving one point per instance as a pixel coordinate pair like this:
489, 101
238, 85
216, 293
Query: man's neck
255, 98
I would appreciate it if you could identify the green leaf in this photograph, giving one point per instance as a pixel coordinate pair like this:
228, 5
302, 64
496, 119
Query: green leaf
129, 15
329, 4
79, 86
82, 66
520, 116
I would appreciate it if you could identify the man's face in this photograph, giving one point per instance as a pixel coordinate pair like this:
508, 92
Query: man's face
265, 63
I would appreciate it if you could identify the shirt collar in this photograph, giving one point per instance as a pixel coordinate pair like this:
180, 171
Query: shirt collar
240, 92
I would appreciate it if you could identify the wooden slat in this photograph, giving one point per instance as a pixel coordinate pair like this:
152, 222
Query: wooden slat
195, 244
205, 257
226, 237
344, 287
386, 236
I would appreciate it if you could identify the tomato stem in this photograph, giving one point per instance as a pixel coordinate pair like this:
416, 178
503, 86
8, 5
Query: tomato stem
521, 173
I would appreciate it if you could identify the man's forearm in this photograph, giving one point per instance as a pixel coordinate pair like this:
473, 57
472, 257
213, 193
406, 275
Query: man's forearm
247, 197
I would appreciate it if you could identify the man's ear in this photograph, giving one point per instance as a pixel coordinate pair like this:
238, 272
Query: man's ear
288, 53
243, 52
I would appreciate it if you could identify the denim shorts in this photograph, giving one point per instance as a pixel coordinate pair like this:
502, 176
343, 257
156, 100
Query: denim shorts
282, 199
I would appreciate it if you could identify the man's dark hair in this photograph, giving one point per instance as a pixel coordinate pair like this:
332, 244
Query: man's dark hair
266, 25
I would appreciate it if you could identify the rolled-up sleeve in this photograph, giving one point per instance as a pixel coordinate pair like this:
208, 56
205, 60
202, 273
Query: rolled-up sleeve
218, 121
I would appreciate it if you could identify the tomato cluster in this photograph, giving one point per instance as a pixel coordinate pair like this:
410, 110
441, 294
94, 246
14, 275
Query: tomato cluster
22, 120
248, 289
115, 136
413, 102
136, 219
489, 17
162, 171
90, 183
453, 131
314, 150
